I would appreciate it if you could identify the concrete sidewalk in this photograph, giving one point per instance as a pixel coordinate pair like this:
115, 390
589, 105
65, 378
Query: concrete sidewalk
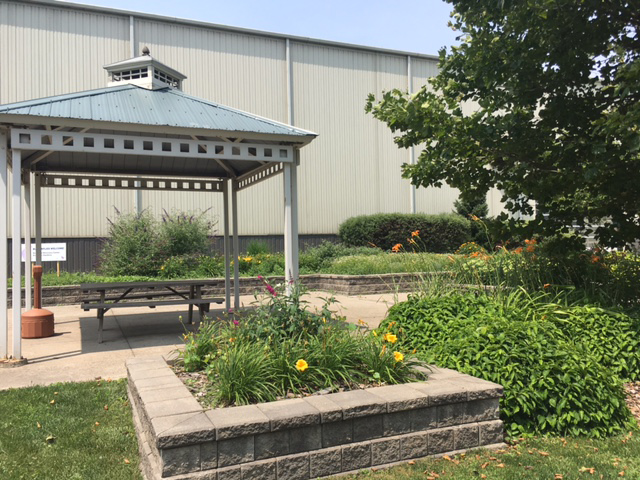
74, 354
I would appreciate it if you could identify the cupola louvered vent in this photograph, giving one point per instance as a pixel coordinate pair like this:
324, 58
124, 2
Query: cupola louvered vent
144, 71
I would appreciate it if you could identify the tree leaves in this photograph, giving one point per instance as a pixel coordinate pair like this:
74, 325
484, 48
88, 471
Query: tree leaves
556, 93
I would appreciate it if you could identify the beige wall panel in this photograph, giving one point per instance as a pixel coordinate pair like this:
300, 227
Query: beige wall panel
353, 167
52, 51
247, 72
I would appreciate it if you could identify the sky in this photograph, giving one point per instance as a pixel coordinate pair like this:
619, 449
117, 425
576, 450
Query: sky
416, 26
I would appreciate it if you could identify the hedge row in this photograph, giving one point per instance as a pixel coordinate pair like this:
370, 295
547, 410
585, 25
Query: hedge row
442, 233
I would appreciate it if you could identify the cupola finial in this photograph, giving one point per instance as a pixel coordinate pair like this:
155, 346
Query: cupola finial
145, 51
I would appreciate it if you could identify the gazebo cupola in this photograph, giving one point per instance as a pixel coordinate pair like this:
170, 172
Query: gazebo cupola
144, 71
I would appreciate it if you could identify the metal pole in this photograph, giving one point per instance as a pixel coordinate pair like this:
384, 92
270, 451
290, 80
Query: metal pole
37, 207
4, 323
16, 254
412, 149
227, 245
288, 228
28, 303
294, 217
236, 245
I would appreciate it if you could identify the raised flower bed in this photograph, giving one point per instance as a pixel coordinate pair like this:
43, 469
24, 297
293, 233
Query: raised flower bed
310, 437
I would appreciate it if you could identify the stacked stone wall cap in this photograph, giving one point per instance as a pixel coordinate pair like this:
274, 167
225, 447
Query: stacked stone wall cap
238, 421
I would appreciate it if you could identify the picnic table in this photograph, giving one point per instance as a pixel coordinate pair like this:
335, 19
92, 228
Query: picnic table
105, 296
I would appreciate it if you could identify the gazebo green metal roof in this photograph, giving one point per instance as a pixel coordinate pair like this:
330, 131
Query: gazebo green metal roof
167, 107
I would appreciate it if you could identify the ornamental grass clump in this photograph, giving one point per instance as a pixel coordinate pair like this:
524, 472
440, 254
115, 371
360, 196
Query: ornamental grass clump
282, 348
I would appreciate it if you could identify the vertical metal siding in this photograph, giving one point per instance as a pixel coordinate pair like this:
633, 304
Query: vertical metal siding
353, 168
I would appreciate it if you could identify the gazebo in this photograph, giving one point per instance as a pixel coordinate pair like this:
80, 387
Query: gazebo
142, 132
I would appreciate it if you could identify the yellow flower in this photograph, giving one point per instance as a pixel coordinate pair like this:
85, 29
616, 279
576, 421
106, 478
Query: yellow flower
390, 337
301, 365
398, 356
396, 248
375, 334
474, 218
416, 233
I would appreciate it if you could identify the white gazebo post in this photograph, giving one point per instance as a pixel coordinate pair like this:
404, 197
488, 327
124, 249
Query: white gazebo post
290, 226
37, 213
16, 260
27, 239
4, 323
236, 245
227, 245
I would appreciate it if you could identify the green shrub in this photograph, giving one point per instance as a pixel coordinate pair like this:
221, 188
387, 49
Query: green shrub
440, 233
185, 233
320, 258
257, 247
132, 247
558, 365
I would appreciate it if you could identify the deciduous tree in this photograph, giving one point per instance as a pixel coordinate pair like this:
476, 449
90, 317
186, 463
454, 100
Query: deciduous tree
541, 100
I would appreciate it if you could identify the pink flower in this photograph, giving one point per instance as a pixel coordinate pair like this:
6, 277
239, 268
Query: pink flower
230, 310
271, 290
236, 322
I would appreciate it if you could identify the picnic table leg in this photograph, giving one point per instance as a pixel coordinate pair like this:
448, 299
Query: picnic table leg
191, 305
101, 315
100, 323
200, 305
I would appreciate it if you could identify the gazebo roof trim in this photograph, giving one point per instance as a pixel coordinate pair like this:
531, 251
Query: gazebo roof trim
169, 107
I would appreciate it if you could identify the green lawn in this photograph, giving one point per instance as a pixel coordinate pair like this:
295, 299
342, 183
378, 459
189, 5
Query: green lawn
68, 431
538, 458
85, 431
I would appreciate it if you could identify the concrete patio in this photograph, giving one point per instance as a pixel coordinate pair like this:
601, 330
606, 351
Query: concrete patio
74, 354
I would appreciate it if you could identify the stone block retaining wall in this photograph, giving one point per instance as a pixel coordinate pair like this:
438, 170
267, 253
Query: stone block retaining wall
342, 284
309, 437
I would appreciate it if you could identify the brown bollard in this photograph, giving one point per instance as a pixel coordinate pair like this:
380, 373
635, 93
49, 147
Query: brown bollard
37, 323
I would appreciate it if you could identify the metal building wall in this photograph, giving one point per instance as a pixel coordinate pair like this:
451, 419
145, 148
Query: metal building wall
352, 168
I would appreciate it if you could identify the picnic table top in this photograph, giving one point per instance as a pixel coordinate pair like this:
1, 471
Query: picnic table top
152, 284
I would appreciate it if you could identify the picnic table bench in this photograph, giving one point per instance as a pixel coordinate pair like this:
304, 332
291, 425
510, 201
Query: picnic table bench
105, 296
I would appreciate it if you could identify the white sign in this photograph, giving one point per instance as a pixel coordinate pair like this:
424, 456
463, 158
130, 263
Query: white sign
51, 252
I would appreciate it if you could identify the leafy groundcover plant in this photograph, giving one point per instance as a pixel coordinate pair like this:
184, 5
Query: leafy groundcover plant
281, 348
562, 366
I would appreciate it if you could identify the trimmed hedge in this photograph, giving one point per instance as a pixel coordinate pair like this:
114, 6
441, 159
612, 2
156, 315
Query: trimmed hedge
442, 233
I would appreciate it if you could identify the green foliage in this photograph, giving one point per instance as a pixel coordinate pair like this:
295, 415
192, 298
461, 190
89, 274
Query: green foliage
132, 247
605, 278
185, 234
472, 205
63, 431
320, 258
257, 247
475, 208
139, 245
544, 128
440, 233
560, 365
281, 348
